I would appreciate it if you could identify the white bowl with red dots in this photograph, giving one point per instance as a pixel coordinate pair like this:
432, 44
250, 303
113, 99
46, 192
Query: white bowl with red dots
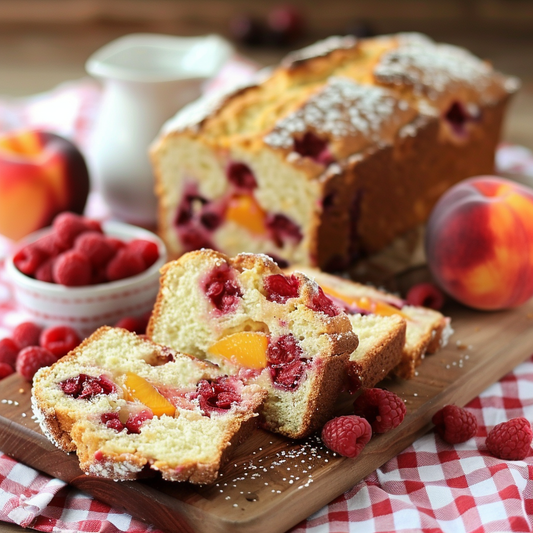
87, 307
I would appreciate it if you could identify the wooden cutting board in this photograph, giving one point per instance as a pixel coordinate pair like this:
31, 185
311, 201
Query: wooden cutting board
273, 483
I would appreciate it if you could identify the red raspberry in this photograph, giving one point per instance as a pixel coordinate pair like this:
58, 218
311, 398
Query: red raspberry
222, 289
93, 225
426, 295
283, 350
511, 440
320, 302
112, 421
50, 245
217, 395
96, 247
117, 243
26, 334
193, 236
288, 376
125, 264
312, 146
59, 340
29, 259
99, 275
72, 269
5, 370
454, 424
148, 250
135, 421
133, 324
128, 322
8, 352
280, 288
284, 360
32, 358
67, 227
283, 229
46, 271
347, 435
241, 176
85, 387
383, 409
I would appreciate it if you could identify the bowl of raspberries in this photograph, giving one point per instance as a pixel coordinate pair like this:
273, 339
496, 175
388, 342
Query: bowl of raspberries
84, 273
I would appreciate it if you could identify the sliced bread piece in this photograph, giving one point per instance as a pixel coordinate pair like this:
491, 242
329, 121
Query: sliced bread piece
246, 316
425, 332
125, 404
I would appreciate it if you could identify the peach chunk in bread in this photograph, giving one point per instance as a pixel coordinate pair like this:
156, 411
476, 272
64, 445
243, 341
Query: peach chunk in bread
125, 404
246, 316
393, 336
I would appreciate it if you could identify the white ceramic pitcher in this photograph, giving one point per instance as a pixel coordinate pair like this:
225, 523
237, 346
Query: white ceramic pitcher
146, 79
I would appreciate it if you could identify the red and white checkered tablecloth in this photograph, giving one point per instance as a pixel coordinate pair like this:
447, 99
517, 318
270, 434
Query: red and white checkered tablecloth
430, 487
436, 487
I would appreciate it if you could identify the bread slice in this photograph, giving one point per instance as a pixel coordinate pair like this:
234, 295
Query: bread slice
376, 315
245, 315
380, 350
177, 414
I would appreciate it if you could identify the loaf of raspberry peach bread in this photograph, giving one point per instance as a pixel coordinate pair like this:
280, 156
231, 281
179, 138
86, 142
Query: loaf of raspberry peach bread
374, 315
345, 146
125, 404
246, 316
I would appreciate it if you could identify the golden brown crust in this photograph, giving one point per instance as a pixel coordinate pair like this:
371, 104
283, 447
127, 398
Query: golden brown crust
58, 427
428, 342
413, 174
246, 261
407, 367
378, 362
325, 394
437, 341
348, 227
205, 473
330, 51
328, 380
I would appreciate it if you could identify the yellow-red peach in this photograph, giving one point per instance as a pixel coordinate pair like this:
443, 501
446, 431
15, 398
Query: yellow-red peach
41, 175
479, 243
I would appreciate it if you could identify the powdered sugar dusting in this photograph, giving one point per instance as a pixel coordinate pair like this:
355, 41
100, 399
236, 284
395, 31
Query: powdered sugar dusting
39, 416
430, 68
320, 49
289, 467
447, 332
119, 471
342, 108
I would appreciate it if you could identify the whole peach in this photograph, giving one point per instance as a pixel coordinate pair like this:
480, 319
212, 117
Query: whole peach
41, 175
479, 243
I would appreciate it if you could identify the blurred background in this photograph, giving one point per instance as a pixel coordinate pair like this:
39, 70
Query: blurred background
46, 42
